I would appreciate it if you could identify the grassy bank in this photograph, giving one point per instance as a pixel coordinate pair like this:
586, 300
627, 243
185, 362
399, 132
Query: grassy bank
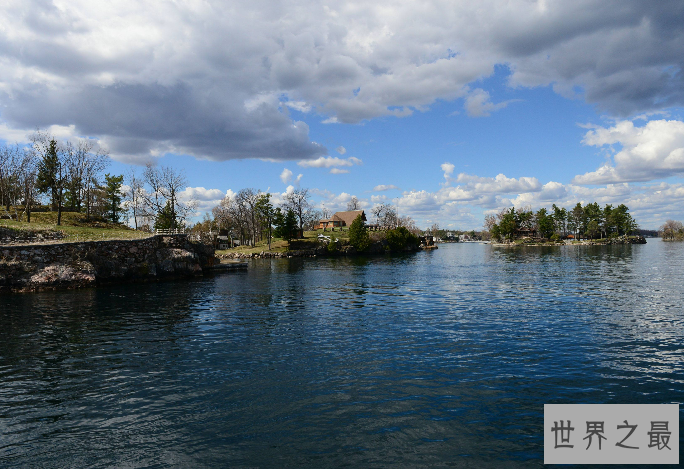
310, 241
75, 227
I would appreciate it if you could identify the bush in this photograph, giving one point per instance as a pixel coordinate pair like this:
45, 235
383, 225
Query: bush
358, 235
332, 247
400, 238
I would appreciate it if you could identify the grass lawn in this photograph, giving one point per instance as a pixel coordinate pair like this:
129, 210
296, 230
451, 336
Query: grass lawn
310, 241
75, 227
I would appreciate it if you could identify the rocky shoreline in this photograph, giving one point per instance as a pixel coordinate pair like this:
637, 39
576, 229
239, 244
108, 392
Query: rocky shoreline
40, 267
593, 242
321, 251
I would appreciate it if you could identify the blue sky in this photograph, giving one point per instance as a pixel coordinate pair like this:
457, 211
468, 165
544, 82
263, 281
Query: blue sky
449, 110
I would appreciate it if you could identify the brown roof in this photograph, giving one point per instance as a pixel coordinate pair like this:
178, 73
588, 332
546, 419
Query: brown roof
346, 217
349, 217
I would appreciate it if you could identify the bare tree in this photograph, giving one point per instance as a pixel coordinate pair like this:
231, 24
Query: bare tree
386, 215
671, 230
489, 222
12, 161
27, 181
222, 215
299, 202
163, 198
87, 163
408, 223
245, 212
353, 204
135, 197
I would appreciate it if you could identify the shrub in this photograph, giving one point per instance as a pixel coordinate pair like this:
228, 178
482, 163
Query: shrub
332, 245
358, 235
400, 238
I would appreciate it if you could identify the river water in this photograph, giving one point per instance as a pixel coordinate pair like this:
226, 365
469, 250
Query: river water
434, 359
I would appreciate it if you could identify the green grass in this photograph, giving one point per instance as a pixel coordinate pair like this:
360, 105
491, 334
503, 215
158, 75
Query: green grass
75, 227
310, 241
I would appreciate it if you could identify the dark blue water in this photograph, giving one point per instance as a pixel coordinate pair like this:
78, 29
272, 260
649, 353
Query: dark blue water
437, 359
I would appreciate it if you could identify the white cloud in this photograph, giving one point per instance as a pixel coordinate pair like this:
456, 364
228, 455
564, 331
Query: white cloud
286, 176
341, 150
385, 187
478, 103
200, 193
653, 151
338, 171
300, 106
329, 162
215, 81
448, 169
206, 198
499, 184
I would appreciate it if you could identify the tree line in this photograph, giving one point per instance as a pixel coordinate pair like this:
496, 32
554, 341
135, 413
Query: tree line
70, 176
251, 216
588, 221
672, 231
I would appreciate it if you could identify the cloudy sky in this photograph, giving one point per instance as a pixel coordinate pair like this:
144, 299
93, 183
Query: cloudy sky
448, 109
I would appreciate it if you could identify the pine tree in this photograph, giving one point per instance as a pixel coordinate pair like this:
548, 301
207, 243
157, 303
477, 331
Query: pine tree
114, 196
358, 234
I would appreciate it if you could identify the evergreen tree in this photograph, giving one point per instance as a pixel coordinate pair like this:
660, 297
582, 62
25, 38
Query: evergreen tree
266, 214
114, 197
286, 225
545, 223
165, 218
358, 234
48, 180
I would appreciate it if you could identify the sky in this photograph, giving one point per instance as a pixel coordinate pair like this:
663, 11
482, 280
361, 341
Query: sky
449, 110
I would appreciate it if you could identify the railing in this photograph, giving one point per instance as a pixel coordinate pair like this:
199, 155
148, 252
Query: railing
175, 231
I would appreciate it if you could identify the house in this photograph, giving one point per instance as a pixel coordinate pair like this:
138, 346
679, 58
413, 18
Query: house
341, 219
223, 242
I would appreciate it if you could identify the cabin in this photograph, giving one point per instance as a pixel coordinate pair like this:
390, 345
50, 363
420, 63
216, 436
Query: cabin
341, 219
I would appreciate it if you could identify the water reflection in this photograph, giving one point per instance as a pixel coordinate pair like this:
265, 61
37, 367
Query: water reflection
428, 359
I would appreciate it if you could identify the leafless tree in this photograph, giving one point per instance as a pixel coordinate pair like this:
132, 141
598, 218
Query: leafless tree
672, 230
386, 215
408, 223
244, 212
11, 163
165, 187
222, 215
135, 197
353, 204
87, 164
489, 222
299, 202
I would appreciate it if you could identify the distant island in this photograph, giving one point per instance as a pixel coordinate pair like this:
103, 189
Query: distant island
588, 224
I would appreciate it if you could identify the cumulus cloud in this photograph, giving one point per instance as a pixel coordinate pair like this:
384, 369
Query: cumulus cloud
206, 199
286, 176
478, 104
329, 162
215, 81
341, 150
448, 169
653, 151
499, 184
384, 187
200, 193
